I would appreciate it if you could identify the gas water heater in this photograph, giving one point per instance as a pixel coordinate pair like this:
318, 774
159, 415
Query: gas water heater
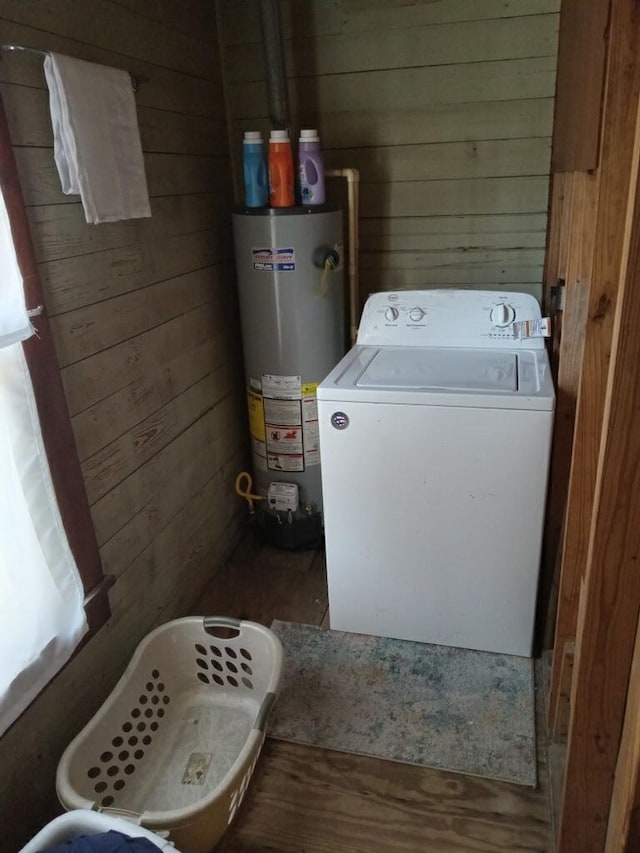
290, 279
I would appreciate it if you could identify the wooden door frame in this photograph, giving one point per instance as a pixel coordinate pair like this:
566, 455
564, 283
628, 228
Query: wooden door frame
622, 87
599, 584
610, 596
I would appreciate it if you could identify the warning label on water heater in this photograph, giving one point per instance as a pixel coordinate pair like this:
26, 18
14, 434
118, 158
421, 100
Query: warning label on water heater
284, 423
274, 259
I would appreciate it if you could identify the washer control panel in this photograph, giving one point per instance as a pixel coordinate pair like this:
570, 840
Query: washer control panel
450, 318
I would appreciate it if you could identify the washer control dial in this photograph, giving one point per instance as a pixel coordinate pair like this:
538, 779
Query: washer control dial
416, 314
391, 314
502, 315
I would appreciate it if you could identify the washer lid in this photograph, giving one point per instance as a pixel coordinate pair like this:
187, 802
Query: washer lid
441, 376
442, 369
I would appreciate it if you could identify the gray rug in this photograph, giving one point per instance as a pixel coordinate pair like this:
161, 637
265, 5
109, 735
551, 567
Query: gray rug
435, 706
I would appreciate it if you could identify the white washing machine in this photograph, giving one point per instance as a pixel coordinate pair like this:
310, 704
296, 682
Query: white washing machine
435, 432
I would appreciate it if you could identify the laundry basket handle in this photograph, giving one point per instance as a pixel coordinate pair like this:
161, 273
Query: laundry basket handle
264, 712
221, 622
125, 814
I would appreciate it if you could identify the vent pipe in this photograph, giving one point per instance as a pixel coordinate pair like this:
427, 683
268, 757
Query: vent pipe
273, 48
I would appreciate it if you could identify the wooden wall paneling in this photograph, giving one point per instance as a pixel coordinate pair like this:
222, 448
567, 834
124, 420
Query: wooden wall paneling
157, 513
623, 827
114, 462
242, 20
448, 198
129, 364
610, 601
126, 33
618, 140
559, 724
525, 279
361, 15
192, 19
191, 530
556, 248
164, 88
162, 131
88, 330
434, 123
80, 281
149, 391
466, 41
167, 174
60, 232
581, 60
580, 224
126, 534
459, 127
437, 260
446, 233
497, 158
567, 186
414, 88
146, 321
135, 494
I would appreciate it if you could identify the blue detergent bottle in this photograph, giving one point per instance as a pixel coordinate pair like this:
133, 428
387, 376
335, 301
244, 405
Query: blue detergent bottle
256, 182
311, 168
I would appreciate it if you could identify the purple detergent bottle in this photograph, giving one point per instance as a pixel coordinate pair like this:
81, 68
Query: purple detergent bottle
311, 168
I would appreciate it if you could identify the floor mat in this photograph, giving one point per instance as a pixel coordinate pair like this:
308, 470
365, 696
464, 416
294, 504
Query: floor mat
435, 706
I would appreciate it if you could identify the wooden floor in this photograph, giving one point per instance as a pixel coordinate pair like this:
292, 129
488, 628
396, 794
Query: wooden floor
309, 800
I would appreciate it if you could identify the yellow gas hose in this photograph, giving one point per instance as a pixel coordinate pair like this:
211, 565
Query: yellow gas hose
328, 266
246, 493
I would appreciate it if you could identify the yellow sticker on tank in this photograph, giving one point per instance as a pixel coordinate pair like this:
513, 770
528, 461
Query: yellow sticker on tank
256, 415
309, 389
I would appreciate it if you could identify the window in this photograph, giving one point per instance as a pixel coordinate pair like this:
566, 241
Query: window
51, 586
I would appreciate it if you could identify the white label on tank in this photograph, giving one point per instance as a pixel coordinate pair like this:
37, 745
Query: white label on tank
273, 259
311, 431
283, 439
259, 454
284, 412
255, 385
285, 462
281, 387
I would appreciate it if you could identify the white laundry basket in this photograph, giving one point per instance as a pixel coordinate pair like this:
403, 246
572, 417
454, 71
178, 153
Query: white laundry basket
68, 826
174, 746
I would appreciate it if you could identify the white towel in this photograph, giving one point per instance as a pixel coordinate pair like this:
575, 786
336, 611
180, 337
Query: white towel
96, 138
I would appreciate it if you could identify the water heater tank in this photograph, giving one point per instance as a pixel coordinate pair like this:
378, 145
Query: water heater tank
290, 279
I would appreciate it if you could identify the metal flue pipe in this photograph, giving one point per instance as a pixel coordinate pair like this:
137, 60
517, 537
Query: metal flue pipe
273, 48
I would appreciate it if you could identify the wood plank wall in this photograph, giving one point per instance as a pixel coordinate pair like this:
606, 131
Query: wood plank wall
146, 327
446, 109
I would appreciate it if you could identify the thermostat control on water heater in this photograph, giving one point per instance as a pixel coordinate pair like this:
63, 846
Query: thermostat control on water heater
283, 497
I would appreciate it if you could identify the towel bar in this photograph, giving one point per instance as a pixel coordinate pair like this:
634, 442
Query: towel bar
36, 51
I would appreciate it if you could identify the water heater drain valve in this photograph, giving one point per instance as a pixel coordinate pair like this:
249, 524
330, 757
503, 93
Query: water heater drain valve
283, 497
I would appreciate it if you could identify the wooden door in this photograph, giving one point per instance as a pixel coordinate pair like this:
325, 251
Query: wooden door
599, 589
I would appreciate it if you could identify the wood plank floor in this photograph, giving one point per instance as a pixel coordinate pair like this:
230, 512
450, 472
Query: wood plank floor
309, 800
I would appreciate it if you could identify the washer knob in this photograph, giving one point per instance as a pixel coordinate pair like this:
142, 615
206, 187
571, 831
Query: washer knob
502, 315
416, 314
391, 313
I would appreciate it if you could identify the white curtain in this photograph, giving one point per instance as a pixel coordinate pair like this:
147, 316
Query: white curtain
14, 320
41, 596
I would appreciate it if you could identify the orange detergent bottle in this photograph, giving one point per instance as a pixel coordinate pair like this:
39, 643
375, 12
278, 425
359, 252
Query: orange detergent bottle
280, 169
